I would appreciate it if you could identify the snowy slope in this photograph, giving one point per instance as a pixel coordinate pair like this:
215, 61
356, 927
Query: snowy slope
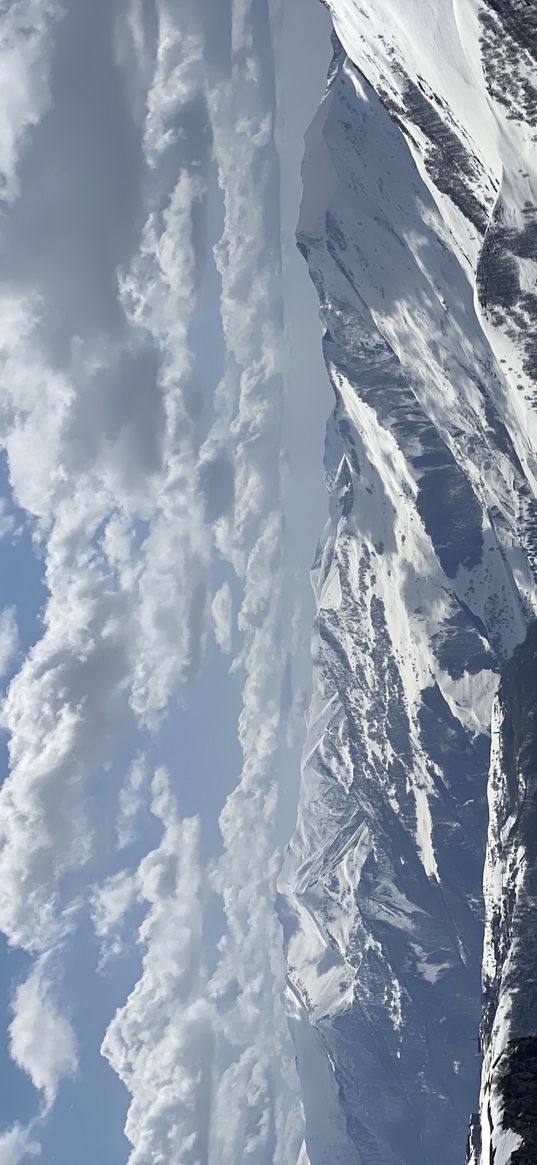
508, 1108
416, 224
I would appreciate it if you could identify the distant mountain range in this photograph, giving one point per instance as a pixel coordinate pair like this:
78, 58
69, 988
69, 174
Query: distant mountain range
419, 228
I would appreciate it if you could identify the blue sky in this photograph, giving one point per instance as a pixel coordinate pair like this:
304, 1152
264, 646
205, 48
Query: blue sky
150, 401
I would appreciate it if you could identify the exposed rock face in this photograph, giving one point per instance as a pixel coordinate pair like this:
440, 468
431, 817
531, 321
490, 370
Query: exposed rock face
507, 1129
418, 226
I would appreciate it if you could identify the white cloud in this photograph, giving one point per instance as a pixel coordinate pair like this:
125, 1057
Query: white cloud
245, 1091
17, 1145
36, 399
41, 1039
9, 639
257, 1109
159, 293
179, 74
170, 614
25, 43
124, 622
258, 1113
131, 801
127, 562
222, 613
126, 615
109, 904
158, 290
63, 710
7, 521
161, 1043
125, 558
134, 55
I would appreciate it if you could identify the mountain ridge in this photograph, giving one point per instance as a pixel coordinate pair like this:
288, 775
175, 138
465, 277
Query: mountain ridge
425, 574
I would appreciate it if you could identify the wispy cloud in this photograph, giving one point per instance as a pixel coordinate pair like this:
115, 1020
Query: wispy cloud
222, 613
9, 638
7, 521
17, 1145
132, 798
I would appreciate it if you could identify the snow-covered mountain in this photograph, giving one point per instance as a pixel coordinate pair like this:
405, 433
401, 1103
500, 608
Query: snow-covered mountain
508, 1110
419, 226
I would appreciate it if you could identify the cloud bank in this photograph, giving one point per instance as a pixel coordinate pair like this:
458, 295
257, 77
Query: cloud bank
131, 500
